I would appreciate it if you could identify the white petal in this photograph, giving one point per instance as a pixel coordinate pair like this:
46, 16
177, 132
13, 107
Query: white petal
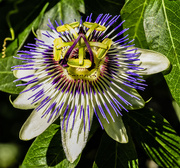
74, 140
116, 130
107, 115
176, 109
22, 101
29, 98
23, 73
128, 97
41, 36
153, 62
131, 95
36, 124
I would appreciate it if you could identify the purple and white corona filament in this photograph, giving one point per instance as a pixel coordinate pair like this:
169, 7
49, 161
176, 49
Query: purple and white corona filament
75, 71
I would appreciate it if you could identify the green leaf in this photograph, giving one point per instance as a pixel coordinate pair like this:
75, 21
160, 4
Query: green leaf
65, 10
53, 14
70, 10
159, 140
114, 154
6, 75
162, 29
133, 14
47, 151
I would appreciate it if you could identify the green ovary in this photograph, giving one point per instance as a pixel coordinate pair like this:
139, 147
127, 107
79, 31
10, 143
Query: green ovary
89, 74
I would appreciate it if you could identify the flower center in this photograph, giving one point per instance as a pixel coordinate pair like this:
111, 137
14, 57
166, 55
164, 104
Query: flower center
83, 56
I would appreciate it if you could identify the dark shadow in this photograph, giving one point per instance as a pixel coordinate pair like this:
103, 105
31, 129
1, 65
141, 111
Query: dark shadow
11, 121
161, 100
97, 7
55, 153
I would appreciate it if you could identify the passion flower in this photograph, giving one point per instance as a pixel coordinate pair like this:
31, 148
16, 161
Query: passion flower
78, 70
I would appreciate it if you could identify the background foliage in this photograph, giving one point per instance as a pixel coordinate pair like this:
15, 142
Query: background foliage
153, 131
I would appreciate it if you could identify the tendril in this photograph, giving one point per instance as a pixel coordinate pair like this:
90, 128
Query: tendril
15, 10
